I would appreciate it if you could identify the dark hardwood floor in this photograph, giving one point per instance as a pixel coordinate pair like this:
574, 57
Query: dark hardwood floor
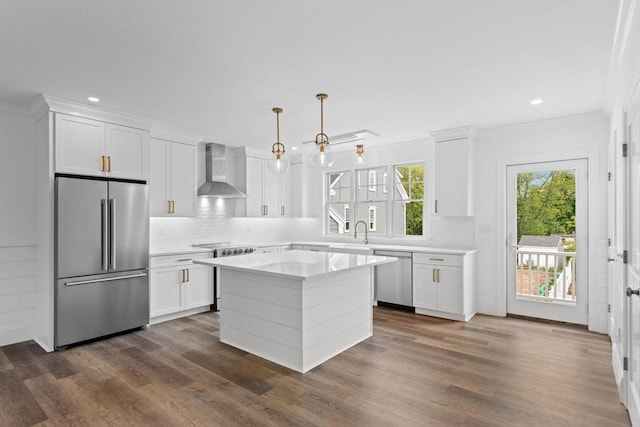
415, 370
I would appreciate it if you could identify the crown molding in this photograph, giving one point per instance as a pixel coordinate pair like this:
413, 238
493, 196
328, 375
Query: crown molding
47, 103
174, 137
463, 132
546, 122
10, 108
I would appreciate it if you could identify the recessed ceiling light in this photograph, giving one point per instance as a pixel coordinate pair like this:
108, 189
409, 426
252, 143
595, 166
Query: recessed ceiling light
93, 99
294, 148
536, 101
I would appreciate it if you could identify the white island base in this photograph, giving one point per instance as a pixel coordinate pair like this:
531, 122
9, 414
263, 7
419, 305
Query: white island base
288, 308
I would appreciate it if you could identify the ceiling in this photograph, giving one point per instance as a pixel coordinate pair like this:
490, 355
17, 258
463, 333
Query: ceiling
400, 68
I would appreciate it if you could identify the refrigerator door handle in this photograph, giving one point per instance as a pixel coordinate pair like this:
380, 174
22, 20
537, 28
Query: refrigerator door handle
108, 279
105, 237
112, 233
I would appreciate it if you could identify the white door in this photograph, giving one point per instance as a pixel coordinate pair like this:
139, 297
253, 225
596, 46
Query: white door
633, 258
159, 178
79, 145
547, 240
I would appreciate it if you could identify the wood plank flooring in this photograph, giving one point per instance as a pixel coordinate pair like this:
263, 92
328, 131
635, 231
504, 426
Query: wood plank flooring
414, 371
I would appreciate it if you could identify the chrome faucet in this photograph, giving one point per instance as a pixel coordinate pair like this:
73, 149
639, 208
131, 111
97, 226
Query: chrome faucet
355, 231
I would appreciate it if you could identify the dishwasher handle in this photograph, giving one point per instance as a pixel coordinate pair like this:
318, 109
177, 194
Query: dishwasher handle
393, 254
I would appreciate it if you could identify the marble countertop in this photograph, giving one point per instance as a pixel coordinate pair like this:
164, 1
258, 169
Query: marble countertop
376, 246
296, 263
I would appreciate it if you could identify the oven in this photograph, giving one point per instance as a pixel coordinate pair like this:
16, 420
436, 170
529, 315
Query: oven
223, 249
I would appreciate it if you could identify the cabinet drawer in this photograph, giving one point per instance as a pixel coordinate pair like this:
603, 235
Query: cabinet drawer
177, 260
437, 259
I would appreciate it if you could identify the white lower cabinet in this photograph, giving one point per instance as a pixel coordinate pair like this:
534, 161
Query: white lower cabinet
178, 287
443, 285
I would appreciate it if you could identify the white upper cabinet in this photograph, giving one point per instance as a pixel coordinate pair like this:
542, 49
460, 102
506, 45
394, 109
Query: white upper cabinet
128, 152
172, 179
453, 172
91, 147
269, 195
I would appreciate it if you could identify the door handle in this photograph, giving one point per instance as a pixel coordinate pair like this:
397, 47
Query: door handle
187, 270
168, 206
108, 163
102, 168
631, 292
433, 275
108, 279
112, 233
104, 235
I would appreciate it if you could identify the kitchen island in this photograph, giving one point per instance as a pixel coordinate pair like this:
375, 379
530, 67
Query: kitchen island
296, 308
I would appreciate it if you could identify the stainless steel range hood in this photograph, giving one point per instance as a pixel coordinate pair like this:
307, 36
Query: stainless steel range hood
215, 184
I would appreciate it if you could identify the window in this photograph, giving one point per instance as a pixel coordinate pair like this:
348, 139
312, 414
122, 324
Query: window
371, 199
408, 199
339, 199
389, 200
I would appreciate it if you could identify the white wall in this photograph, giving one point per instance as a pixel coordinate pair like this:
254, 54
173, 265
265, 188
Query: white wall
17, 225
576, 136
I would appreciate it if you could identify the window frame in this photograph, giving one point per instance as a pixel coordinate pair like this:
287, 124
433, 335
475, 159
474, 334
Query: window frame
388, 202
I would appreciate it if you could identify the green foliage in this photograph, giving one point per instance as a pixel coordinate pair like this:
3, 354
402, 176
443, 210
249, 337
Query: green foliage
411, 177
546, 203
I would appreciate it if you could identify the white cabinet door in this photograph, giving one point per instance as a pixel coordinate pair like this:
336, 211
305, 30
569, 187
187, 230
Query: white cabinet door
254, 187
165, 291
127, 151
291, 192
424, 286
172, 179
271, 192
198, 289
449, 289
79, 145
184, 178
452, 192
159, 178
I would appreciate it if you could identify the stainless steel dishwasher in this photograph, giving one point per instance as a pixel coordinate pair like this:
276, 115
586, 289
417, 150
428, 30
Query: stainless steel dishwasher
393, 282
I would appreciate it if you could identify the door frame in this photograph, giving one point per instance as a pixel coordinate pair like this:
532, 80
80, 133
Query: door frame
573, 313
593, 171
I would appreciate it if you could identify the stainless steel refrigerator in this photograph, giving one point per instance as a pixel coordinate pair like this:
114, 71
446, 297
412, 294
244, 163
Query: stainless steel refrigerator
102, 258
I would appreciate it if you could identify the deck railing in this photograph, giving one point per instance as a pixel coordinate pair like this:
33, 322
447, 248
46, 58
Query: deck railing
546, 275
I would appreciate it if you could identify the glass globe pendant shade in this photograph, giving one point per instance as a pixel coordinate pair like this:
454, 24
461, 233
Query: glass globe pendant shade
323, 157
278, 165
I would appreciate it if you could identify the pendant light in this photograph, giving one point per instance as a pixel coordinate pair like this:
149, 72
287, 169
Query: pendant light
360, 153
278, 164
324, 156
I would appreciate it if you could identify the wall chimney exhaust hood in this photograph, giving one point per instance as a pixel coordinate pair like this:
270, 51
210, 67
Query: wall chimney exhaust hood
215, 184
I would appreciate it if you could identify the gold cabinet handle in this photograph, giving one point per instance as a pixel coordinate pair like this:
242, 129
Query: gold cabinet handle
433, 275
436, 259
438, 275
187, 274
102, 163
181, 276
185, 259
108, 163
436, 206
173, 206
168, 206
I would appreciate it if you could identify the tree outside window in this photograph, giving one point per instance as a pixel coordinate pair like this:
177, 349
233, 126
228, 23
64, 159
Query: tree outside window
408, 199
